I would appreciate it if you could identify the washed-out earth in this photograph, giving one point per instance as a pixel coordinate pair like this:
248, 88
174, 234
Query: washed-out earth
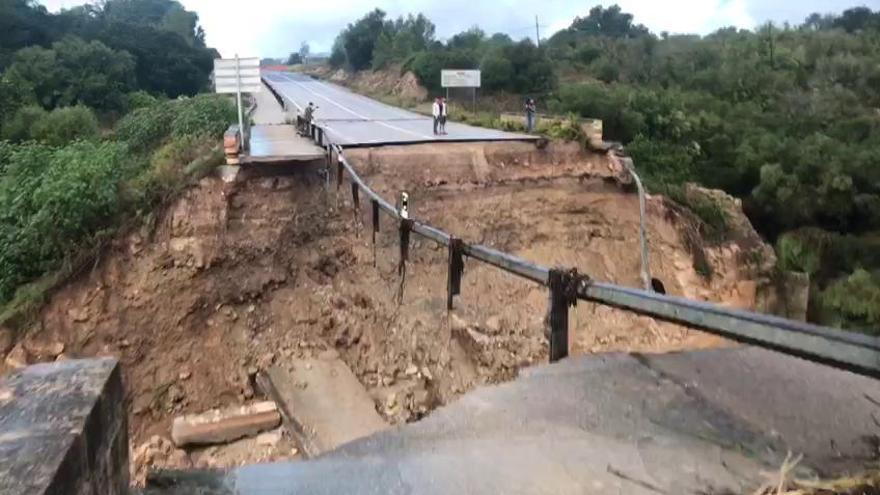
236, 277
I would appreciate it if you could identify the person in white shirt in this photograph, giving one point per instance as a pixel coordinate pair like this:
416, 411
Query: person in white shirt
444, 112
437, 112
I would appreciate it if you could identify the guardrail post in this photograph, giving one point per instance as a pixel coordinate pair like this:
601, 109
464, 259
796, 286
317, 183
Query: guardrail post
456, 268
356, 200
375, 205
328, 168
340, 170
561, 283
405, 229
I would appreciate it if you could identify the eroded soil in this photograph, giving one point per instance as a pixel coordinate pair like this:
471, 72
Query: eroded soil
235, 277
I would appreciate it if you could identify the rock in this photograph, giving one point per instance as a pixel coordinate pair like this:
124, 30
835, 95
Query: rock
411, 370
493, 324
457, 324
7, 338
185, 375
17, 357
427, 374
269, 439
55, 349
78, 315
329, 355
158, 452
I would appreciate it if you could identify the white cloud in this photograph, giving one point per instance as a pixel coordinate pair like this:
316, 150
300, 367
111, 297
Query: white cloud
276, 27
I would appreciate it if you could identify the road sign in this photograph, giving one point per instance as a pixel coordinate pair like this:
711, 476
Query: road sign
237, 76
460, 78
230, 72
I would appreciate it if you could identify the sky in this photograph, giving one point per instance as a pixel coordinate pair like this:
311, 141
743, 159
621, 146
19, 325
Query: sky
274, 28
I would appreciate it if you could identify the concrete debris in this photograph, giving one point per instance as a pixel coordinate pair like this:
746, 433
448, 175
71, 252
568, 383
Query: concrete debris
222, 426
17, 357
269, 439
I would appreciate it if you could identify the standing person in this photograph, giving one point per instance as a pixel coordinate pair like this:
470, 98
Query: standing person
531, 113
444, 113
436, 112
308, 116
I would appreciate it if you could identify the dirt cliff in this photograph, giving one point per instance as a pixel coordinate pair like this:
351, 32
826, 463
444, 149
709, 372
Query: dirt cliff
235, 277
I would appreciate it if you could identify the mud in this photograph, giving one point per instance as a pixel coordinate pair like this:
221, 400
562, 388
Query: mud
236, 277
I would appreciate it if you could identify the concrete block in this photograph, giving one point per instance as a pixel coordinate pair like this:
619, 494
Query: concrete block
63, 430
222, 426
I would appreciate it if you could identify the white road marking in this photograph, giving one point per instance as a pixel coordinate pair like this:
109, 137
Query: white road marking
362, 117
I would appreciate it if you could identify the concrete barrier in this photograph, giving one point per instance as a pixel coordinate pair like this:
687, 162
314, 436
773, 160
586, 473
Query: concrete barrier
63, 430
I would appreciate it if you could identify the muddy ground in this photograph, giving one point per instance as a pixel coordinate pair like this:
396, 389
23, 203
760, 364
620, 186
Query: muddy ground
235, 277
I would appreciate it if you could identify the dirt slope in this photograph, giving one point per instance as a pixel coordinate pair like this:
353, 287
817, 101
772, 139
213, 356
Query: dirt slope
235, 277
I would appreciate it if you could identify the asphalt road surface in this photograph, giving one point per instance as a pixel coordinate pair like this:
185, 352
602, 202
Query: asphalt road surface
352, 119
697, 422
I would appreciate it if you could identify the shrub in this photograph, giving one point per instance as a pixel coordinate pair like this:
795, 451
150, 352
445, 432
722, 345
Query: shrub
796, 253
853, 302
63, 125
204, 115
20, 127
567, 130
53, 200
146, 127
6, 149
714, 226
169, 169
139, 99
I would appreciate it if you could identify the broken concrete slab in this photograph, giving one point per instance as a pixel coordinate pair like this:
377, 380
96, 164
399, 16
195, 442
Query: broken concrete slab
324, 404
222, 426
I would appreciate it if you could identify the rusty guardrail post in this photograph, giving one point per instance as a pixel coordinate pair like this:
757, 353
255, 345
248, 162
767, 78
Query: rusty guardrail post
455, 270
356, 200
404, 231
564, 285
375, 205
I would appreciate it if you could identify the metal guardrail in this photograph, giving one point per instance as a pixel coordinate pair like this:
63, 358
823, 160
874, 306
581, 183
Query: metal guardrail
841, 349
838, 348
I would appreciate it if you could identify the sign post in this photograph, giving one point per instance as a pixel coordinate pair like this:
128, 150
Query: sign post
237, 76
461, 79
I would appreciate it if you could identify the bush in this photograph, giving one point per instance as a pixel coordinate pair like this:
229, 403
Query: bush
567, 130
853, 302
204, 115
63, 125
20, 127
6, 149
146, 127
53, 200
795, 253
139, 99
169, 170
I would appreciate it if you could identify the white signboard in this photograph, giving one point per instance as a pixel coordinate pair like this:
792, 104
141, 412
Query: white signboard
227, 72
460, 78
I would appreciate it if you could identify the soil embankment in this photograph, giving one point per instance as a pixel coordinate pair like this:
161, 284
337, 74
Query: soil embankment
236, 278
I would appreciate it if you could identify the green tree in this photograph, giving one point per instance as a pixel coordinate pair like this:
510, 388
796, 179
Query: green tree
74, 72
359, 39
64, 125
22, 23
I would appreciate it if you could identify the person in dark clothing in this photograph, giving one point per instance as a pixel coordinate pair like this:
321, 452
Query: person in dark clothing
531, 114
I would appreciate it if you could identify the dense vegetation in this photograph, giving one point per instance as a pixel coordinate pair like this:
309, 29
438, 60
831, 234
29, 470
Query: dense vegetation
785, 117
96, 127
